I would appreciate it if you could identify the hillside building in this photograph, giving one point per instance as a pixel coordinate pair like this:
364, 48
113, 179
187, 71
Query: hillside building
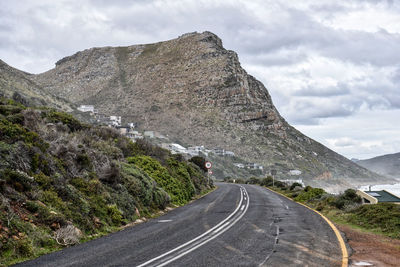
374, 197
86, 108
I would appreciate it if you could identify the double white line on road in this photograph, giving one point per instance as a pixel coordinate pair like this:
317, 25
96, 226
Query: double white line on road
204, 238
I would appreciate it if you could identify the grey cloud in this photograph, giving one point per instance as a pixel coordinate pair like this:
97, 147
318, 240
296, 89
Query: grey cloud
310, 111
345, 142
338, 90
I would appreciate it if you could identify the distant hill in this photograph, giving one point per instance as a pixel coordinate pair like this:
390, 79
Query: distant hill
388, 165
195, 92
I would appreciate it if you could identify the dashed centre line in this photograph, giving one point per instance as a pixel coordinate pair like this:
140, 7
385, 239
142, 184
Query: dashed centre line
204, 238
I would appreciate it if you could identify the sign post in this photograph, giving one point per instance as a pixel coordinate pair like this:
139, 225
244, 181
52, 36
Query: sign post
208, 166
273, 173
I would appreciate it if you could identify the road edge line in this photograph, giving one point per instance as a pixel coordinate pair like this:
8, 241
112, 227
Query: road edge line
345, 255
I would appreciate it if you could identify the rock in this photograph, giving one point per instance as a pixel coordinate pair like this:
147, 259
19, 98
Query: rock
137, 213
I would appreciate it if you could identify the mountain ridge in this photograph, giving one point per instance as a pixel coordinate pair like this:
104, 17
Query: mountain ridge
388, 165
196, 92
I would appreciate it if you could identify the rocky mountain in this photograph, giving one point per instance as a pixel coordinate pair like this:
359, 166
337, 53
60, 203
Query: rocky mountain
195, 91
388, 165
20, 86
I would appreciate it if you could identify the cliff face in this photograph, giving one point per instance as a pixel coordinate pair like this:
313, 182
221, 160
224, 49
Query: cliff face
195, 91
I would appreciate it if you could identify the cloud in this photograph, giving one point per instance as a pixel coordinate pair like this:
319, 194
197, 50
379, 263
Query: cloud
343, 142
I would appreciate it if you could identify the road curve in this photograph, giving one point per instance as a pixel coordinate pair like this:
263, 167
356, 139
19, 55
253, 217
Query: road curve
244, 225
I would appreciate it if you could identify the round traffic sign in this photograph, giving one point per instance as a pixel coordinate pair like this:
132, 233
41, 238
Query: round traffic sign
208, 165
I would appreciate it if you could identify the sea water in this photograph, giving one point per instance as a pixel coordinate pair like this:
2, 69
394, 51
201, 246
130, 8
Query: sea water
392, 188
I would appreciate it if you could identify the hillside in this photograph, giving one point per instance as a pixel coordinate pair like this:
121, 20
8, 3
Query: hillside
195, 92
20, 86
62, 181
388, 165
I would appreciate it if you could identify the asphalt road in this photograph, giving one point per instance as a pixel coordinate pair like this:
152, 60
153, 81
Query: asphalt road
233, 226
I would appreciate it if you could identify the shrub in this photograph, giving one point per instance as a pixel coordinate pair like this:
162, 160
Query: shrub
67, 235
294, 185
267, 181
200, 162
311, 193
24, 247
115, 214
65, 118
348, 198
20, 181
254, 180
177, 189
384, 217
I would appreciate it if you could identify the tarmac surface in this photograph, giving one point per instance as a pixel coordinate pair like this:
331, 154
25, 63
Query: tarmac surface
235, 225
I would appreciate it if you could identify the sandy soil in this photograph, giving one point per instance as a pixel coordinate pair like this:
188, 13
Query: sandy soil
371, 249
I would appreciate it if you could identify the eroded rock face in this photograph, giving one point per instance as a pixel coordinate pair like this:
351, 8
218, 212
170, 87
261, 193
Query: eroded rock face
195, 91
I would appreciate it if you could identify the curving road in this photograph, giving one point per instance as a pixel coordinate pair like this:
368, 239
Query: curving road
235, 225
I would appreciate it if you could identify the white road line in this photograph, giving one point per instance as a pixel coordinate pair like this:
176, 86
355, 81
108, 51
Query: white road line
207, 240
162, 221
200, 236
242, 208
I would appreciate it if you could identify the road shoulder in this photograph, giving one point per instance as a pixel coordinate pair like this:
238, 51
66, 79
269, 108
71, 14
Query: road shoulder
374, 249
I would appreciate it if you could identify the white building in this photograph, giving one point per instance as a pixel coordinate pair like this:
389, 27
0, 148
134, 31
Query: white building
115, 121
177, 148
229, 154
149, 134
239, 165
86, 108
294, 172
254, 166
219, 151
195, 150
290, 182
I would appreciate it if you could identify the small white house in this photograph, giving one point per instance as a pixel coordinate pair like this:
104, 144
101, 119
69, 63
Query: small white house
195, 150
115, 120
149, 134
239, 165
177, 148
294, 172
254, 166
229, 154
86, 108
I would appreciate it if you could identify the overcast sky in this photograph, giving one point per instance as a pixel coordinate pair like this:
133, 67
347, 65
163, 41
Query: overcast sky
332, 67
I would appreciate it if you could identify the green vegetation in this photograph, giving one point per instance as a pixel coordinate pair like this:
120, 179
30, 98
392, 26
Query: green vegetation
63, 182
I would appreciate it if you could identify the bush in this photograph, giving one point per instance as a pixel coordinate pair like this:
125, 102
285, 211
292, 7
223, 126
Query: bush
65, 118
384, 217
267, 181
294, 185
254, 180
310, 194
348, 198
20, 181
179, 189
24, 247
67, 235
115, 214
200, 162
